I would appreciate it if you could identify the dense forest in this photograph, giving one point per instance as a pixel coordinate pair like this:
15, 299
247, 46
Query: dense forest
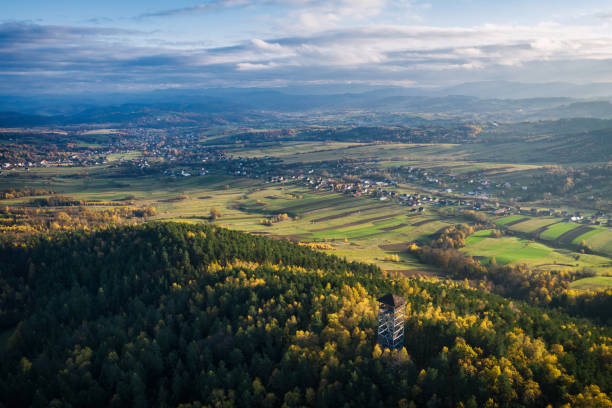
167, 314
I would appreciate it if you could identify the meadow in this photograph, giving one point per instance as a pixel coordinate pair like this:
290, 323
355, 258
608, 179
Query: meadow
565, 234
536, 255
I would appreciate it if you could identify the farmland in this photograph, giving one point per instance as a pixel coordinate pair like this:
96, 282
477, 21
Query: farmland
358, 228
557, 232
538, 256
363, 200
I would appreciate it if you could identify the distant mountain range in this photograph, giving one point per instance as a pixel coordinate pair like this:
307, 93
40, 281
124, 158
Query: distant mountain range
499, 101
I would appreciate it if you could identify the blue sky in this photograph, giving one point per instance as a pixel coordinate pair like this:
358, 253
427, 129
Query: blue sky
101, 46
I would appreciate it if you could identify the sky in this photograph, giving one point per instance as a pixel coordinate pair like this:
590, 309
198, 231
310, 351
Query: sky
83, 46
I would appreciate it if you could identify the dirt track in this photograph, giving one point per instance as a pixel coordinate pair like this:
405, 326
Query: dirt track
423, 222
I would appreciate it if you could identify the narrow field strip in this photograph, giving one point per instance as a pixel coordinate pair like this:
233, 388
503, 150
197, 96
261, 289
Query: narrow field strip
314, 205
423, 222
538, 231
354, 223
506, 220
400, 247
511, 223
348, 213
555, 231
394, 227
587, 235
335, 207
569, 236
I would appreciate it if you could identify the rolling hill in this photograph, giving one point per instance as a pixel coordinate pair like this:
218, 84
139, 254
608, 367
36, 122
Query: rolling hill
168, 314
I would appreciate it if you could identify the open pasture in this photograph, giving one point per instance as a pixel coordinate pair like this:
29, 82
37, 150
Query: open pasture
600, 240
594, 283
513, 250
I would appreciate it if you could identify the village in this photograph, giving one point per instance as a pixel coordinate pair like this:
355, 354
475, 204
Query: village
179, 153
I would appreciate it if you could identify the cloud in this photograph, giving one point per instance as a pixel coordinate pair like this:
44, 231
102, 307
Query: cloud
606, 16
27, 33
247, 66
308, 12
37, 57
205, 7
261, 44
99, 20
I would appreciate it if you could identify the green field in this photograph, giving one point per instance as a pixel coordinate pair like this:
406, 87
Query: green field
594, 283
513, 250
506, 250
551, 229
534, 224
587, 235
478, 236
556, 230
601, 242
508, 219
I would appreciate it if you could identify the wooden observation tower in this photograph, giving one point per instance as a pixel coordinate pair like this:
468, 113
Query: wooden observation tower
391, 321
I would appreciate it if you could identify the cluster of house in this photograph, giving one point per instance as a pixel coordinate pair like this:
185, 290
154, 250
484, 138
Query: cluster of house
8, 166
74, 160
479, 187
174, 173
598, 218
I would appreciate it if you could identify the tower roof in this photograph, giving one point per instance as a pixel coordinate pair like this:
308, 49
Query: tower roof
392, 300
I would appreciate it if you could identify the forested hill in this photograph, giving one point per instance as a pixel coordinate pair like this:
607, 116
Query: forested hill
170, 314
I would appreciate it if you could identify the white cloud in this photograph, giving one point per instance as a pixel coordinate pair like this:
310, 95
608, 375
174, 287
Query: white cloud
247, 66
266, 45
365, 52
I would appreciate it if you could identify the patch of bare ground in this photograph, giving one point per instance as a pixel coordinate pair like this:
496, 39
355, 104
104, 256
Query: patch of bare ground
571, 235
511, 223
401, 247
423, 222
394, 227
173, 199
